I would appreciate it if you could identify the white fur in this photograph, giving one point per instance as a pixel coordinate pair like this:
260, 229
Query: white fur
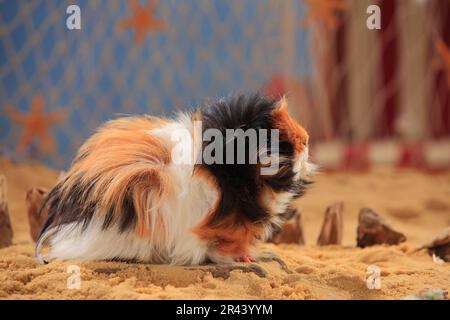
278, 202
190, 202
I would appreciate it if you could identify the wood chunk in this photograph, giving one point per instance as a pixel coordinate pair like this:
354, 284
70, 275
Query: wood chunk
291, 231
269, 256
34, 199
372, 229
440, 245
108, 271
6, 232
442, 252
223, 271
333, 226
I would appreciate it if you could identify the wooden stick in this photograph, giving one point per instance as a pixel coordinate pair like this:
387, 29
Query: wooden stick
36, 219
373, 230
440, 245
332, 227
6, 232
291, 231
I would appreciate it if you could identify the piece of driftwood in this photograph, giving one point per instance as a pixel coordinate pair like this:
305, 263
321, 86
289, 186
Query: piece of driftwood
37, 215
223, 271
269, 256
6, 232
34, 199
440, 245
372, 229
333, 226
291, 231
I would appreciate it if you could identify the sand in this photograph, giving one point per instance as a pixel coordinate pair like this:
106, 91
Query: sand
415, 203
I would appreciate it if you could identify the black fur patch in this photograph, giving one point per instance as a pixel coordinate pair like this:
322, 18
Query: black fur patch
73, 207
239, 183
77, 206
242, 184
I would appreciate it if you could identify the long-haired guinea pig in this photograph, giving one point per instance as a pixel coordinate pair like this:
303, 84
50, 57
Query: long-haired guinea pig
127, 195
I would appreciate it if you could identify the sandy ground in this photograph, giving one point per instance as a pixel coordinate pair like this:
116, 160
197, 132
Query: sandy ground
415, 203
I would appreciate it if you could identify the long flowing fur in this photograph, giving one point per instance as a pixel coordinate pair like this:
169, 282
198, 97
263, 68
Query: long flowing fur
125, 197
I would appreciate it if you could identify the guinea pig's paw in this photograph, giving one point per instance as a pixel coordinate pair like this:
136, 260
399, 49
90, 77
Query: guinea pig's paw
246, 259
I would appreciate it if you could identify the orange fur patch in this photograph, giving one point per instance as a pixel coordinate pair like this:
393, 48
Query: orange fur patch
123, 157
289, 128
229, 236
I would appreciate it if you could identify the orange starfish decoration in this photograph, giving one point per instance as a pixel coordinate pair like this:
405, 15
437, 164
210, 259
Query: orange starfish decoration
444, 53
142, 20
36, 125
325, 11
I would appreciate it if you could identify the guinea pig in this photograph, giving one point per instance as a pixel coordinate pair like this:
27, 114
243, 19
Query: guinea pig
180, 191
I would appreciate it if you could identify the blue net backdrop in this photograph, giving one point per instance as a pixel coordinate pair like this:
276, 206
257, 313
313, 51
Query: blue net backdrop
77, 79
345, 82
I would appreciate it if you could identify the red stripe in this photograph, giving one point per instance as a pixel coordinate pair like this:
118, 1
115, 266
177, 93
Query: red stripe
440, 110
412, 156
388, 65
356, 156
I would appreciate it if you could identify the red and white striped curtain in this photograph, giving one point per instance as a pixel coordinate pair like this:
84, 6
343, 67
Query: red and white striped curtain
391, 83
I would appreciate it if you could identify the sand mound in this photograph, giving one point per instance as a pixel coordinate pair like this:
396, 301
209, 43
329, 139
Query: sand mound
415, 203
